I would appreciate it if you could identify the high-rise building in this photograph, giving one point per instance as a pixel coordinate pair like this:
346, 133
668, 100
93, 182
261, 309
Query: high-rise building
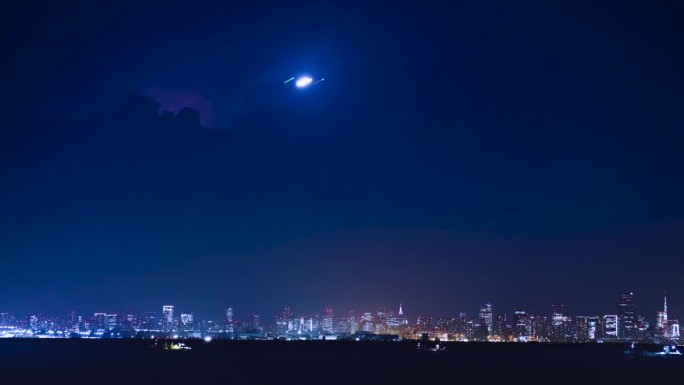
402, 320
187, 319
500, 325
626, 316
230, 325
167, 317
253, 323
6, 319
662, 328
283, 322
557, 321
673, 329
327, 321
110, 321
540, 327
353, 322
486, 317
522, 325
611, 327
342, 326
593, 326
582, 328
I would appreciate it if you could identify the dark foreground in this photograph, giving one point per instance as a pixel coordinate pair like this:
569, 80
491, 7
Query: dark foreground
32, 361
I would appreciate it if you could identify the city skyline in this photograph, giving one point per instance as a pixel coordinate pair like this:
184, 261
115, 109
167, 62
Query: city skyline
490, 325
624, 299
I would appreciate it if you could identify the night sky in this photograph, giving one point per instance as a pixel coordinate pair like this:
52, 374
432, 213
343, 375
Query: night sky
521, 153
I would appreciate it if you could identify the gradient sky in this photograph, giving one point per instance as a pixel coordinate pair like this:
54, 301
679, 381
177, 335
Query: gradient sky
519, 153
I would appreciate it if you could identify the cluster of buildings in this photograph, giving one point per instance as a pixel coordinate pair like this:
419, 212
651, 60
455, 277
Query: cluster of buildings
625, 324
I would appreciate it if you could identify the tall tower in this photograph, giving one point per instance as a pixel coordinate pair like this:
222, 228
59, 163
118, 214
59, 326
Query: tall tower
486, 317
167, 317
327, 321
401, 311
230, 326
626, 316
557, 321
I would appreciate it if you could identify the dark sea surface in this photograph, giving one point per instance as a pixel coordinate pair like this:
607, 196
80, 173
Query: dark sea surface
125, 362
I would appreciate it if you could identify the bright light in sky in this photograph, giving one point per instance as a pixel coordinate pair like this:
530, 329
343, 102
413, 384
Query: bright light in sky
303, 81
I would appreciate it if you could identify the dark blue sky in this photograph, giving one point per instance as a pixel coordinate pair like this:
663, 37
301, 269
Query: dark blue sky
522, 154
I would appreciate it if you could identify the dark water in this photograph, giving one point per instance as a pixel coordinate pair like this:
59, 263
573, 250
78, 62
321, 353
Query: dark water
31, 361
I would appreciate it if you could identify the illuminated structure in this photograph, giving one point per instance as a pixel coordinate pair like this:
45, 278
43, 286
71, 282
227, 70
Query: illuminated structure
327, 321
283, 322
610, 327
582, 328
167, 317
626, 316
662, 326
557, 321
500, 327
230, 325
486, 317
110, 321
523, 327
187, 319
484, 326
593, 325
673, 329
254, 323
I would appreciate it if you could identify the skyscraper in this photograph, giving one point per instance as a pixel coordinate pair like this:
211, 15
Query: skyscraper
167, 317
522, 325
327, 321
486, 317
626, 316
283, 322
500, 325
662, 328
254, 324
230, 325
582, 328
610, 327
557, 321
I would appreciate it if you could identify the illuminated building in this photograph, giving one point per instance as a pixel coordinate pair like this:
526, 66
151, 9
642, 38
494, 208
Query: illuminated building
353, 322
522, 326
500, 325
662, 326
367, 322
486, 317
557, 321
673, 329
592, 328
230, 325
167, 317
283, 322
582, 328
342, 326
641, 327
540, 327
33, 322
110, 321
253, 323
6, 319
626, 316
327, 321
187, 319
610, 327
